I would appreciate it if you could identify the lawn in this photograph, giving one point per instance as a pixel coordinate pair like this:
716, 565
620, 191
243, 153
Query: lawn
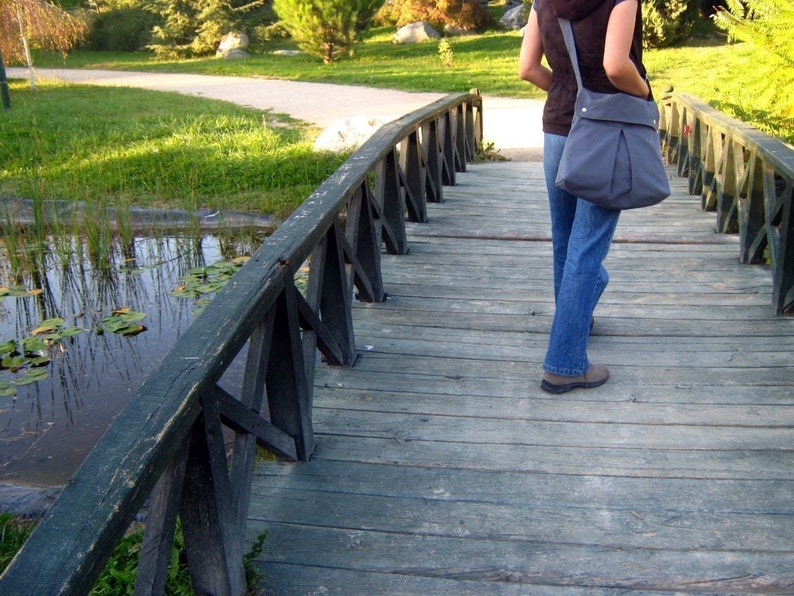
737, 79
152, 149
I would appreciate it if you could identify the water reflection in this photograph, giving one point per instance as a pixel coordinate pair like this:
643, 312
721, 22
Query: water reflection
49, 426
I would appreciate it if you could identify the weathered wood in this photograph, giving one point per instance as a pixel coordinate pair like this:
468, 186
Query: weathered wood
212, 543
743, 174
412, 164
432, 153
243, 420
71, 544
288, 393
441, 465
389, 189
158, 539
362, 237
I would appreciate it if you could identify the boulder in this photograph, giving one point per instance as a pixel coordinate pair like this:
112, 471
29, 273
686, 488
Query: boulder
347, 134
455, 31
233, 41
235, 55
416, 33
515, 18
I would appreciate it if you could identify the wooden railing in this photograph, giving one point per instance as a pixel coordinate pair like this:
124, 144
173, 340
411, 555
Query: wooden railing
170, 441
745, 176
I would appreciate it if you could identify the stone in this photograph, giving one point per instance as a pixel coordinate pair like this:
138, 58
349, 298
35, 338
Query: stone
515, 18
455, 31
286, 52
27, 501
236, 55
416, 33
347, 134
233, 41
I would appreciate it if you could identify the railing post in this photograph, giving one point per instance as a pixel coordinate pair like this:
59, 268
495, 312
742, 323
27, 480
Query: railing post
364, 246
413, 168
389, 193
158, 538
328, 293
448, 150
287, 387
213, 541
432, 151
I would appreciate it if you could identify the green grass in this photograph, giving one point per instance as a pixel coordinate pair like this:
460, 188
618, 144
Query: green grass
118, 577
736, 78
125, 147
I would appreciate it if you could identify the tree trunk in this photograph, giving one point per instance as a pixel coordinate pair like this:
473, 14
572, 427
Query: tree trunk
26, 46
4, 85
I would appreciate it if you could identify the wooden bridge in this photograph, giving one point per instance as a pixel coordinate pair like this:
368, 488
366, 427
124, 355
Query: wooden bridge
437, 465
442, 468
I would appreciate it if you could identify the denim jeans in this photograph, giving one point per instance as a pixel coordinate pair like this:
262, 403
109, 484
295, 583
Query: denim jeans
581, 233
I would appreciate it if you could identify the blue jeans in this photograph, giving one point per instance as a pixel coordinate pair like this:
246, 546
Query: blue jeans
581, 233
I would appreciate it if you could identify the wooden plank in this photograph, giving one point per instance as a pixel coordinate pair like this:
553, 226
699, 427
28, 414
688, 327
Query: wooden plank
728, 570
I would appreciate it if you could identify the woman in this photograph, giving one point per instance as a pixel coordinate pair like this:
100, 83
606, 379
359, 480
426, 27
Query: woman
608, 37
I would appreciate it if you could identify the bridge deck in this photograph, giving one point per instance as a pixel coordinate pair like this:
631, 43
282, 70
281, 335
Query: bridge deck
442, 468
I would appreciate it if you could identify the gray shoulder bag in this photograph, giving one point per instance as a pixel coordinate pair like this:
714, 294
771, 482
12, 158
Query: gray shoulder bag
612, 156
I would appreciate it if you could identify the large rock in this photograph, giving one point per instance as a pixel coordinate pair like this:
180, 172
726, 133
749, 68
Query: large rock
236, 41
416, 33
347, 134
236, 55
515, 18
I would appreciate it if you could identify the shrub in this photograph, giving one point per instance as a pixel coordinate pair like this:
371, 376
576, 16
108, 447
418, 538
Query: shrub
195, 27
327, 29
668, 22
121, 30
469, 15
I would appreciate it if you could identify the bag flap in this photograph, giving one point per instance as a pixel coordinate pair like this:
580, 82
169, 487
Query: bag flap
616, 107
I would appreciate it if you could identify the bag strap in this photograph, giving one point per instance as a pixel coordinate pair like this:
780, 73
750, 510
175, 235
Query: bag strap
567, 33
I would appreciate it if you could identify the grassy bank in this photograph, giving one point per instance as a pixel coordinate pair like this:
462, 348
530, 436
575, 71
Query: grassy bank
122, 147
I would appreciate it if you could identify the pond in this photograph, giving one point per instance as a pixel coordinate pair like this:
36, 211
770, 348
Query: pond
81, 331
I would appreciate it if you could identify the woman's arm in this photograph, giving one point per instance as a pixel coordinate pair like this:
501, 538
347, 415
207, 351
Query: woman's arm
619, 68
529, 65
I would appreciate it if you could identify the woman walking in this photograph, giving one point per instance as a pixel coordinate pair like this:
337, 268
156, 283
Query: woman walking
608, 36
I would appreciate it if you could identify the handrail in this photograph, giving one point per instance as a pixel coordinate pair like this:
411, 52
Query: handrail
168, 442
745, 176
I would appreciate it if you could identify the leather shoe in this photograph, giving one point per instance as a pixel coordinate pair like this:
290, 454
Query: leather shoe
595, 376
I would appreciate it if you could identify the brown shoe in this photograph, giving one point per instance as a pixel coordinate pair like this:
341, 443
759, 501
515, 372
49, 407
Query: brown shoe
595, 376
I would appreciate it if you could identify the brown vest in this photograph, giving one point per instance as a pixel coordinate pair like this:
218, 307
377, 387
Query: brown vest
589, 19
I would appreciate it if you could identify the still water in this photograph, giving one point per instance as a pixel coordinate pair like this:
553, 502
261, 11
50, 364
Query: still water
48, 426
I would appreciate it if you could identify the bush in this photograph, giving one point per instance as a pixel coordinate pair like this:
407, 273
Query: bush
327, 29
469, 15
668, 22
121, 30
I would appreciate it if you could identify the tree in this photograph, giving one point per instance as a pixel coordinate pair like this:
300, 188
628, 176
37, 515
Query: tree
327, 28
26, 23
195, 27
768, 24
667, 22
4, 85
